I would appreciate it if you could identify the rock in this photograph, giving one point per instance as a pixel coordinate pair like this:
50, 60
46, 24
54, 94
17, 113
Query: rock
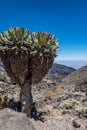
3, 75
79, 123
55, 122
11, 120
76, 123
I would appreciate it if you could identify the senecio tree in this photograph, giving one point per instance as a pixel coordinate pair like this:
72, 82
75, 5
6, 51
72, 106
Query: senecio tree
27, 57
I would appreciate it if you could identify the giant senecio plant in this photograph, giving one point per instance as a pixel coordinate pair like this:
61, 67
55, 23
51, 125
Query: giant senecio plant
27, 57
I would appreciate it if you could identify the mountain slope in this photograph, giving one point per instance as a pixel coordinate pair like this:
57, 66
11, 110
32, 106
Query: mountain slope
77, 77
58, 71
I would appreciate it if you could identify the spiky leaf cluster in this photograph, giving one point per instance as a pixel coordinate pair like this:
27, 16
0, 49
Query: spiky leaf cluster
13, 37
37, 43
43, 42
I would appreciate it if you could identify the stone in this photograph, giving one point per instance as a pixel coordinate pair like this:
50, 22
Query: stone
11, 120
76, 124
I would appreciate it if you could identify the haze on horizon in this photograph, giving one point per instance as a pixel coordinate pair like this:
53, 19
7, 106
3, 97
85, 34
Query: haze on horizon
66, 19
77, 64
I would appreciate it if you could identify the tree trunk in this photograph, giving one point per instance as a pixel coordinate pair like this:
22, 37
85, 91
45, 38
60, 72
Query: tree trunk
26, 98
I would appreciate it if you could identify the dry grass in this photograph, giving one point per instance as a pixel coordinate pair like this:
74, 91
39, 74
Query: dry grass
58, 92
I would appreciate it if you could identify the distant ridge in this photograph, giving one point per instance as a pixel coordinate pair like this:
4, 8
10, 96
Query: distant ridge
58, 71
77, 64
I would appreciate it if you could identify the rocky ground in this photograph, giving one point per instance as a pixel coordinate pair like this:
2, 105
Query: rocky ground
62, 105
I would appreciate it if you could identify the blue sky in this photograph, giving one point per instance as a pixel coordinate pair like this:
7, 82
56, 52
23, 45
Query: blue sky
67, 19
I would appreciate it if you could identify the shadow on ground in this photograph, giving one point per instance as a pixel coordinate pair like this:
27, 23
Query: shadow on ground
34, 113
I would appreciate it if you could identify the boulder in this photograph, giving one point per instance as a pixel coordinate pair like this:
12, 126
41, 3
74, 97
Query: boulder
11, 120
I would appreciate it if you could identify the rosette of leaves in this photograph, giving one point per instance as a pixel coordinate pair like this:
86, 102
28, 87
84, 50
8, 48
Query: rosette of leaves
39, 42
27, 57
43, 43
14, 37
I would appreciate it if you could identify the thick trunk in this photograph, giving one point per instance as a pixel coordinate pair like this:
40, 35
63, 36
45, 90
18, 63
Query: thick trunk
26, 98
